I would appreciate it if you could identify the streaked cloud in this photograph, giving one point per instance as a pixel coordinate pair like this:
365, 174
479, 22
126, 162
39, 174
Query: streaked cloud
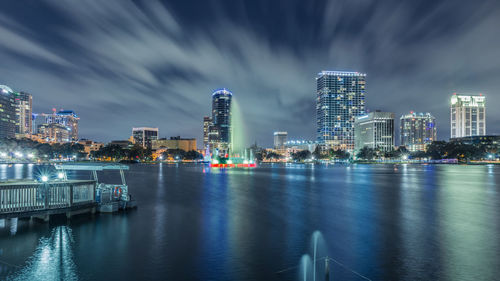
121, 64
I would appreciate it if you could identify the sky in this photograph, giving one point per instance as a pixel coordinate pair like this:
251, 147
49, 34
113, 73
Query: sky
123, 64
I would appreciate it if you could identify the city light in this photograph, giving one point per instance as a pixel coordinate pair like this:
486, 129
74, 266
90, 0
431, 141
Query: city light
44, 178
60, 175
18, 154
3, 154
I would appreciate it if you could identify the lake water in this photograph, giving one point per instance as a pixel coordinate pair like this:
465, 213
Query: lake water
385, 222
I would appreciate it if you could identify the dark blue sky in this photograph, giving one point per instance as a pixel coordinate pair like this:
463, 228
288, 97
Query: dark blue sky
121, 64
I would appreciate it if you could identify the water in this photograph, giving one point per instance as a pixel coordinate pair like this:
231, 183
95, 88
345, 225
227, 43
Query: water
406, 222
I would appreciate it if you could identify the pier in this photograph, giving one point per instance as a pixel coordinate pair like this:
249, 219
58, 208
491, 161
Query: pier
50, 195
19, 199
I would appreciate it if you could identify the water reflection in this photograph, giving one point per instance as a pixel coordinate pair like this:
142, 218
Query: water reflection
387, 222
52, 259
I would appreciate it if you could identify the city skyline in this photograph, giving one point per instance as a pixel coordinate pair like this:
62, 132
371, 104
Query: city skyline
168, 76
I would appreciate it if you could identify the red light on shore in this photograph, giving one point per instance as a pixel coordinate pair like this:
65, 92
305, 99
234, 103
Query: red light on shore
252, 165
454, 94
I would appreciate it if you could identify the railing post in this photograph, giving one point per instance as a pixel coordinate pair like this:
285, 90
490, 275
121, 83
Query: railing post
47, 193
71, 195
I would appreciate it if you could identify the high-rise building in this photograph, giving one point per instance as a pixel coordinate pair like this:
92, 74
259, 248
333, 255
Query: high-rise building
221, 114
417, 130
468, 115
24, 104
145, 136
7, 112
340, 98
375, 130
280, 139
67, 118
207, 122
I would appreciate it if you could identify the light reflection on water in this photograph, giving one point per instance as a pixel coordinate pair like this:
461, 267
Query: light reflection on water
52, 259
388, 222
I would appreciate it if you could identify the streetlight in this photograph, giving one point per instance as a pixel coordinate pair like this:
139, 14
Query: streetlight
44, 178
60, 175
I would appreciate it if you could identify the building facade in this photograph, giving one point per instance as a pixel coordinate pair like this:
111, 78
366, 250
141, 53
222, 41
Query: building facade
221, 114
417, 130
90, 146
186, 144
468, 115
207, 123
66, 118
54, 133
7, 112
24, 111
340, 98
375, 130
217, 130
280, 139
145, 136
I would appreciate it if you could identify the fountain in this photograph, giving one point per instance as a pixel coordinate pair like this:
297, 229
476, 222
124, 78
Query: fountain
305, 268
238, 155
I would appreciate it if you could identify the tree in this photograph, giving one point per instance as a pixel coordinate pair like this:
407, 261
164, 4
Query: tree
366, 153
339, 154
317, 152
193, 155
301, 155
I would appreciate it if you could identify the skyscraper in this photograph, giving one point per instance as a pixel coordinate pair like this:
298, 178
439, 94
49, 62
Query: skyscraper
207, 123
417, 130
340, 98
24, 111
375, 130
468, 115
67, 118
220, 133
145, 136
280, 140
7, 112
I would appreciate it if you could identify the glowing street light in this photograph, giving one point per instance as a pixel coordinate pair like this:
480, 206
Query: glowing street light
18, 154
60, 175
44, 178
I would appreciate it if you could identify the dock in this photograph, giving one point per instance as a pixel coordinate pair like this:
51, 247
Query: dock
56, 194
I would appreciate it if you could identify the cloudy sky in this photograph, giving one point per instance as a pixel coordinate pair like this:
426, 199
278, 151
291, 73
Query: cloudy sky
121, 64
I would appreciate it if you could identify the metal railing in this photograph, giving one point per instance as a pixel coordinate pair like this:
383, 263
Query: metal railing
28, 197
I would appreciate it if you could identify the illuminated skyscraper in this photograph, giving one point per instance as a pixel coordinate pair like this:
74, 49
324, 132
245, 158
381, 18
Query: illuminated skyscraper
375, 130
207, 123
144, 136
340, 98
67, 118
280, 139
221, 117
24, 105
468, 115
7, 112
417, 130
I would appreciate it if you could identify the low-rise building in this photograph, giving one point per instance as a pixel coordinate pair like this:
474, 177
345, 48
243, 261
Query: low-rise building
185, 144
89, 146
